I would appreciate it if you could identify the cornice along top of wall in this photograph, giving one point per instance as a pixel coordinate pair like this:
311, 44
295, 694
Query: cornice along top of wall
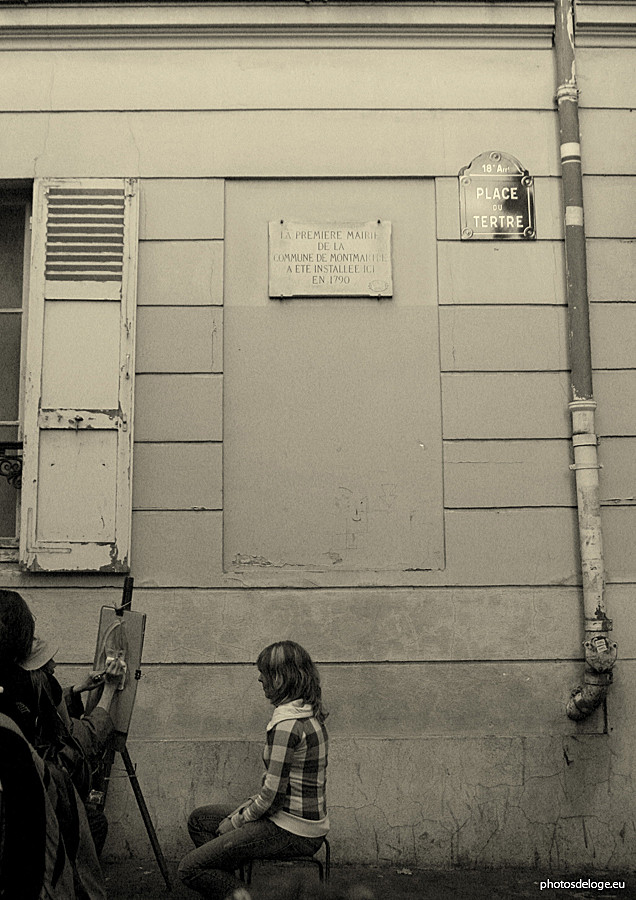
605, 23
29, 24
270, 24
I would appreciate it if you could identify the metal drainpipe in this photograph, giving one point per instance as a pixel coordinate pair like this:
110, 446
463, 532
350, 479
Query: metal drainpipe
600, 651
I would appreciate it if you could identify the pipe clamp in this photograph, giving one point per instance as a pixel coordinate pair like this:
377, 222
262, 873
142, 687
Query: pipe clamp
567, 91
581, 405
600, 653
584, 439
575, 467
598, 625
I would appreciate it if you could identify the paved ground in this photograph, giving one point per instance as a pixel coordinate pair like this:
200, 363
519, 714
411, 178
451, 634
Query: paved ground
134, 880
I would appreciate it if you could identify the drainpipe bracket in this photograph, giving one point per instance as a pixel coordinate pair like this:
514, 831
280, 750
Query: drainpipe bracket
600, 656
584, 439
603, 624
576, 466
594, 680
581, 405
567, 91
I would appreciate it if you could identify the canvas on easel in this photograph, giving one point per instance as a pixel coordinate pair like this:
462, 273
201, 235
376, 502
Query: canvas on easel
121, 634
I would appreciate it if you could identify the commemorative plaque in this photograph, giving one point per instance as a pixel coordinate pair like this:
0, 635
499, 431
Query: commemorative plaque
496, 199
330, 260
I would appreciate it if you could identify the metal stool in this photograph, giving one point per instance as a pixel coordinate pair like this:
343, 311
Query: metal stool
324, 870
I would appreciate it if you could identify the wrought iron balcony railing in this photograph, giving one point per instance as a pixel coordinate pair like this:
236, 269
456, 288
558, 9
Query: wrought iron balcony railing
11, 463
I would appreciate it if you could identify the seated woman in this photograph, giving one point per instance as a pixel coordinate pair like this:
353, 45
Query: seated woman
288, 817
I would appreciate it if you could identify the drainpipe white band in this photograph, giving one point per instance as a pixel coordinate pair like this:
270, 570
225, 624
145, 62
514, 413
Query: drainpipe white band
570, 149
574, 215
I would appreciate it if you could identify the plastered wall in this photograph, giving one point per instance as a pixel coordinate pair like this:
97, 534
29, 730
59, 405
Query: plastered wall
447, 688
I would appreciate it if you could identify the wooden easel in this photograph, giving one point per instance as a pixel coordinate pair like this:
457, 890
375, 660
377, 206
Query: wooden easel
117, 744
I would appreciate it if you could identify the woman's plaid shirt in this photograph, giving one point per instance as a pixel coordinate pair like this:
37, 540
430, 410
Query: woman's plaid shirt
295, 758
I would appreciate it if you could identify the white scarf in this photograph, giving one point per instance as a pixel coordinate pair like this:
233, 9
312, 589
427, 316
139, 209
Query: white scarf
294, 710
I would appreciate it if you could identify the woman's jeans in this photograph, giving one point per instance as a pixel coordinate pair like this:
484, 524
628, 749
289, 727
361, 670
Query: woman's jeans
210, 868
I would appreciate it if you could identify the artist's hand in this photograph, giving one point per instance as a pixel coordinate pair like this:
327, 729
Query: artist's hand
225, 826
92, 681
114, 670
113, 675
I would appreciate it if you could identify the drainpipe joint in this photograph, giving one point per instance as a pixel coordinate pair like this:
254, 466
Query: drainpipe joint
600, 653
567, 91
582, 411
600, 656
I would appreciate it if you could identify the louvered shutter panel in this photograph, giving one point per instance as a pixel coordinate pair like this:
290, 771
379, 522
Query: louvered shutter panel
76, 492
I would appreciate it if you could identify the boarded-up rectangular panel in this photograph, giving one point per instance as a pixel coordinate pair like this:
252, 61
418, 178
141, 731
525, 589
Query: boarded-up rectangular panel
180, 273
501, 272
179, 408
613, 335
178, 476
179, 209
179, 339
332, 443
523, 405
72, 464
549, 215
611, 269
508, 473
503, 339
81, 340
176, 548
609, 207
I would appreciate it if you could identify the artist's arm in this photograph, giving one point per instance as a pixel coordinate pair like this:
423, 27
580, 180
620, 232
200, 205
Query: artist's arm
93, 730
112, 679
73, 694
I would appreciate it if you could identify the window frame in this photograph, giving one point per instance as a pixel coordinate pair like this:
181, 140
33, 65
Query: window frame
18, 195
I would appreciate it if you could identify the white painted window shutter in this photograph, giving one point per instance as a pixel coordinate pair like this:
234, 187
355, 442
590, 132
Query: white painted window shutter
78, 410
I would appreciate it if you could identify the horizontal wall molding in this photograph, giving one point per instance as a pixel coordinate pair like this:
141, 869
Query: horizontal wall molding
274, 24
602, 23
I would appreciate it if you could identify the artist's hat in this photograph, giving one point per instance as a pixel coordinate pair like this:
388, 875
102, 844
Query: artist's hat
41, 652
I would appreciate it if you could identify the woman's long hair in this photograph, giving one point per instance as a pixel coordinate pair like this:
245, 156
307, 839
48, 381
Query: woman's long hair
290, 674
17, 627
